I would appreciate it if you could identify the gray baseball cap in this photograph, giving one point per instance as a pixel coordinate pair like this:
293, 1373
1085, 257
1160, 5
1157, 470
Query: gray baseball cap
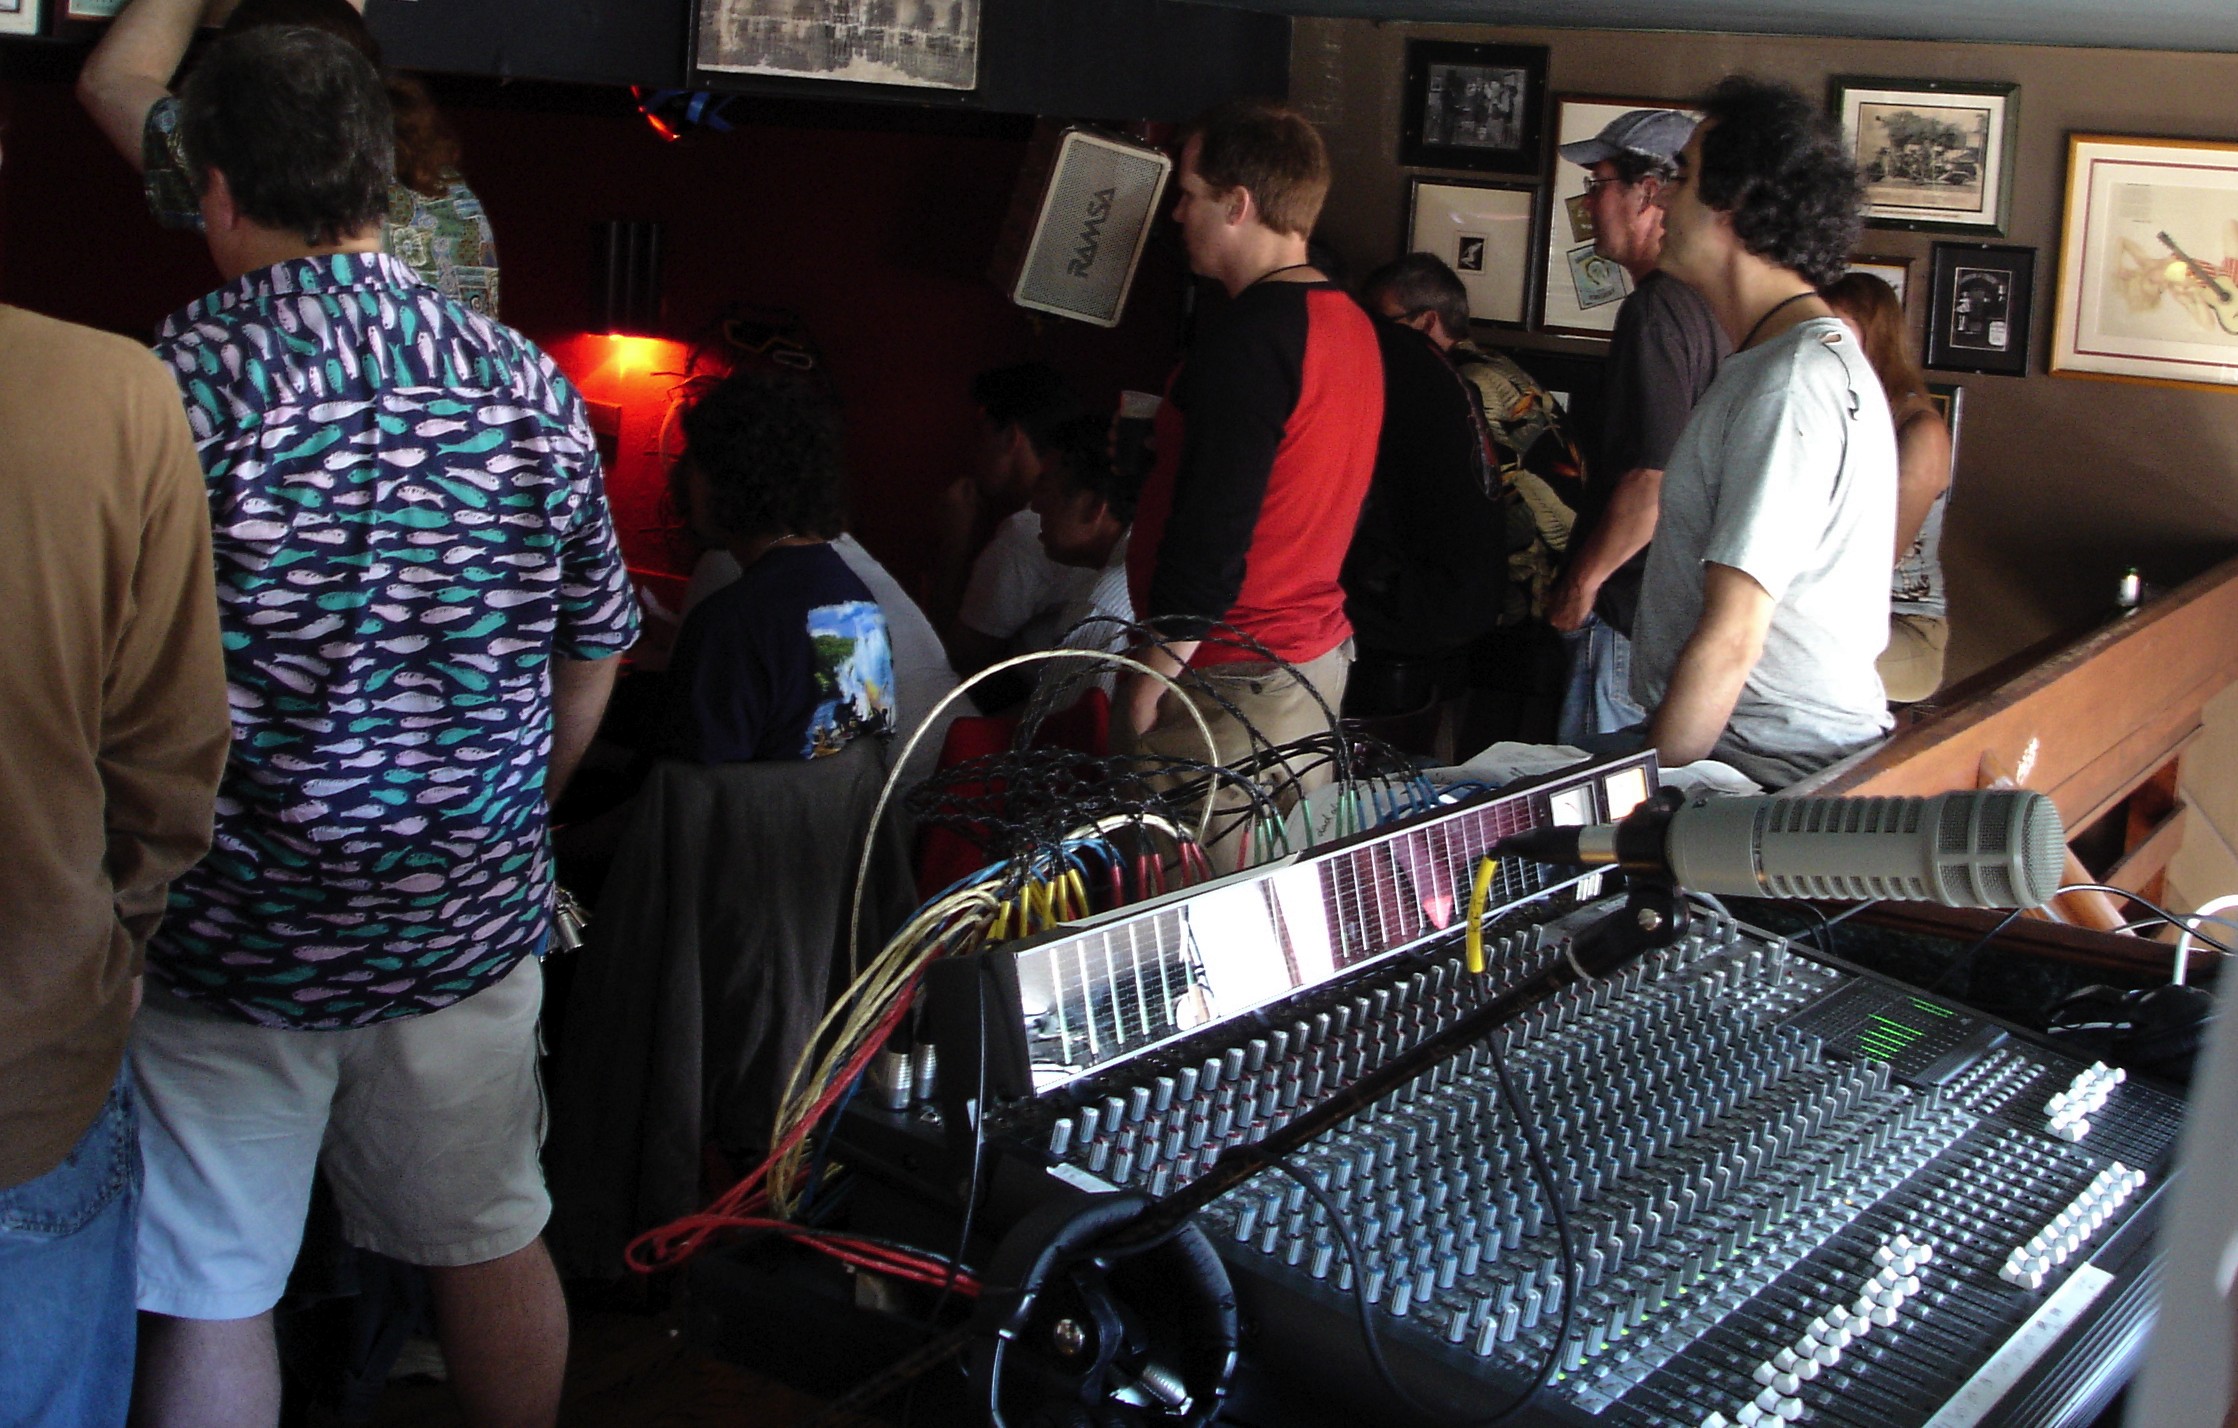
1649, 133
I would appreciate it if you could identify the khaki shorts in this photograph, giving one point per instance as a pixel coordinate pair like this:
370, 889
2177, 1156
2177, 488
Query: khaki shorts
1912, 666
427, 1128
1279, 707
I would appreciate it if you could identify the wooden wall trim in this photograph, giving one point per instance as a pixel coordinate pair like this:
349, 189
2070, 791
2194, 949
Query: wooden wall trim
2085, 724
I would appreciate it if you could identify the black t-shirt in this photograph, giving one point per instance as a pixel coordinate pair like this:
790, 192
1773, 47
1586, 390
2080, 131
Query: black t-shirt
1662, 356
1427, 570
789, 661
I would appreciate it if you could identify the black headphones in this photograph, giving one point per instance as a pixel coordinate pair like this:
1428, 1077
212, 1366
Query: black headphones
2157, 1030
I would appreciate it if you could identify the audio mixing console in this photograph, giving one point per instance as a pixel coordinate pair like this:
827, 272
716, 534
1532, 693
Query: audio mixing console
1792, 1191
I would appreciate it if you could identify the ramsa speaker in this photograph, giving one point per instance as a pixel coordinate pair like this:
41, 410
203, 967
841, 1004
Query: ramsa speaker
1093, 217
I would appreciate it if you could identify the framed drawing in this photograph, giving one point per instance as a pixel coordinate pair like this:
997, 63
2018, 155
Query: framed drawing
2148, 261
1979, 297
19, 17
1896, 272
931, 45
1483, 232
1935, 153
1474, 107
1580, 291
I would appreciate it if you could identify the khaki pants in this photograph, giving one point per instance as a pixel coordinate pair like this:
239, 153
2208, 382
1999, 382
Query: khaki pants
1273, 701
1912, 665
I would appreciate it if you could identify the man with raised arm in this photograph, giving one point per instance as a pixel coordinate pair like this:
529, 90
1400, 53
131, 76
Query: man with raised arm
420, 595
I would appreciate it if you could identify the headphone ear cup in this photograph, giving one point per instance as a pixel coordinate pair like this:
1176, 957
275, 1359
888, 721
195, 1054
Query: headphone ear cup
2166, 1027
2085, 1022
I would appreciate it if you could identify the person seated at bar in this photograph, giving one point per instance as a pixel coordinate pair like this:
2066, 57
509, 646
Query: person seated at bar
1000, 591
1918, 611
435, 224
1086, 506
792, 660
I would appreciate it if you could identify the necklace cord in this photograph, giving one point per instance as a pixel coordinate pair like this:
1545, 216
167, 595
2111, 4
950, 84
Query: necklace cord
1787, 301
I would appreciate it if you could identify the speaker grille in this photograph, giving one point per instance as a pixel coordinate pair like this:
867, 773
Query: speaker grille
1095, 216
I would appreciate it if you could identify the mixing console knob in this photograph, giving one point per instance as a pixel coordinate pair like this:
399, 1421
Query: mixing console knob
1060, 1137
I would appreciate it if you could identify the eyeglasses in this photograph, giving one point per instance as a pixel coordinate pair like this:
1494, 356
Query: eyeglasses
1595, 185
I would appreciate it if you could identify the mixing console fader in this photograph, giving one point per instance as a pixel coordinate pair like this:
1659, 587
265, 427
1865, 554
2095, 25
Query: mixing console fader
1793, 1192
1784, 1190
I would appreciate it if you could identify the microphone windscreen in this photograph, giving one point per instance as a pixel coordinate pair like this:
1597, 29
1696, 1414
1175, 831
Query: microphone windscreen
1997, 848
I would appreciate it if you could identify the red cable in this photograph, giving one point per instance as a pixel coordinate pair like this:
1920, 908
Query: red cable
669, 1245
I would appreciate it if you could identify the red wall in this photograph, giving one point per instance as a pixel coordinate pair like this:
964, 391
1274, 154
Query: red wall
878, 239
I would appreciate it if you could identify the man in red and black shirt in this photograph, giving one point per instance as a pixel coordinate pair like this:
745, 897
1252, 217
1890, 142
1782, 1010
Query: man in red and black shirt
1266, 444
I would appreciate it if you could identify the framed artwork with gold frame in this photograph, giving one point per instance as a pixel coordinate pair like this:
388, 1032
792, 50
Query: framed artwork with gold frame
2148, 261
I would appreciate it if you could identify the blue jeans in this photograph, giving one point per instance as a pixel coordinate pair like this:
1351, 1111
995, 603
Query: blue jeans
67, 1268
1598, 699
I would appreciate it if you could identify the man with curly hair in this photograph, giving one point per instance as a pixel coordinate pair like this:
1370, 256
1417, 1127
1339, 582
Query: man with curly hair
792, 659
1765, 602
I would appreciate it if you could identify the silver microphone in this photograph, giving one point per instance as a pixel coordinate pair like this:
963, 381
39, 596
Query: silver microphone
1994, 848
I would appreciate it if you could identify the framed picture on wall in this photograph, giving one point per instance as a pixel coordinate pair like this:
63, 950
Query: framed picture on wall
1581, 290
2148, 261
1949, 400
1483, 232
1935, 153
1474, 107
91, 9
1896, 272
932, 45
1979, 298
19, 17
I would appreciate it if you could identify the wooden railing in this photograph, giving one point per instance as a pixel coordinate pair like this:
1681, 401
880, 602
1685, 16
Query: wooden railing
2097, 722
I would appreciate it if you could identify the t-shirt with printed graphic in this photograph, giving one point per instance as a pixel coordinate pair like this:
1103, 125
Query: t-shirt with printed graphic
445, 237
792, 660
409, 525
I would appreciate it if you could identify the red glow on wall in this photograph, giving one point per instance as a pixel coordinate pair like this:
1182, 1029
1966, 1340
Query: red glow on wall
631, 383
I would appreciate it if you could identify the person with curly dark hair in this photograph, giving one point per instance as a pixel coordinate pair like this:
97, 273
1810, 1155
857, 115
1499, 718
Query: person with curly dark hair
792, 660
1765, 601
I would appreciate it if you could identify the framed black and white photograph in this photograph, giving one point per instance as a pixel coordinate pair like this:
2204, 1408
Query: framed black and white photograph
1896, 272
923, 44
1935, 153
19, 17
1474, 107
1979, 300
1483, 232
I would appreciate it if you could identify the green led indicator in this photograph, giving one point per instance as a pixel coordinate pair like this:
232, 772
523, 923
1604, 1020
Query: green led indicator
1931, 1009
1904, 1034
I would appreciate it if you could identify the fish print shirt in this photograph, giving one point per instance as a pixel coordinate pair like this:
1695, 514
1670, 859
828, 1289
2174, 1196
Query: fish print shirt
409, 525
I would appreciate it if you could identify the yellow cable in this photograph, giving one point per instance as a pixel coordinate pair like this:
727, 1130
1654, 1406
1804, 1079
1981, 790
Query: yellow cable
1480, 892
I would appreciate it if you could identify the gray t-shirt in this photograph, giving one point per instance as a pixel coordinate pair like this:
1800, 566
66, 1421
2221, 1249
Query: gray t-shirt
1787, 473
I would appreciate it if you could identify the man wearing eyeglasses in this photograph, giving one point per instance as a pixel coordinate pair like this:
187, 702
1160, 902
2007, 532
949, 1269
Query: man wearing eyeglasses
1666, 348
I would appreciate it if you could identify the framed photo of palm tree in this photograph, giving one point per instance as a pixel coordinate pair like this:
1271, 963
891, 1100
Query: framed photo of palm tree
1935, 153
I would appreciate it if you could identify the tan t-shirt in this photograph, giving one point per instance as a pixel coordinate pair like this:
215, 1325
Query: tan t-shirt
115, 728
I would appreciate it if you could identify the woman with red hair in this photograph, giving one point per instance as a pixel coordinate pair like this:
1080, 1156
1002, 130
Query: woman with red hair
1918, 613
